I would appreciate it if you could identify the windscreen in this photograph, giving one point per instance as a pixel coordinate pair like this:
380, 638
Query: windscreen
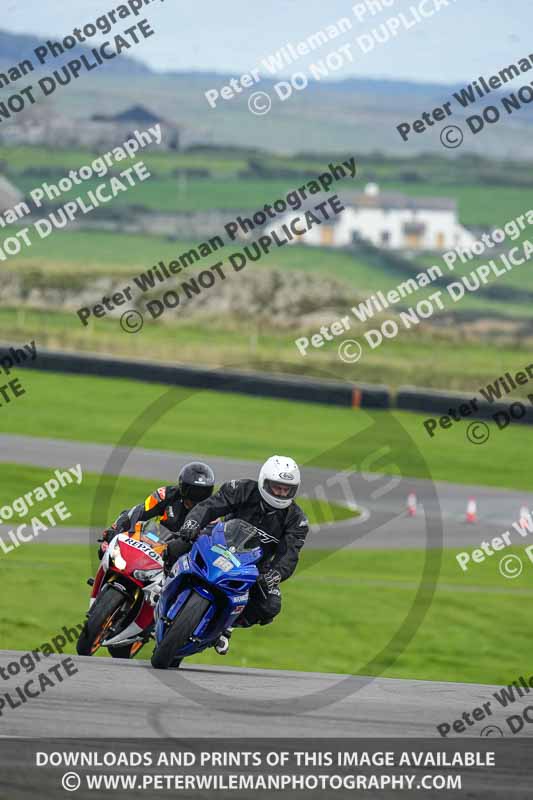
241, 535
154, 533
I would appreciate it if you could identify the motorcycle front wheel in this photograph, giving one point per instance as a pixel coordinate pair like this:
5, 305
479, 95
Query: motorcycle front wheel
99, 621
179, 633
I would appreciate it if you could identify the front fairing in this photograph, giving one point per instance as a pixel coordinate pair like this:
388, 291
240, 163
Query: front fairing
212, 570
222, 566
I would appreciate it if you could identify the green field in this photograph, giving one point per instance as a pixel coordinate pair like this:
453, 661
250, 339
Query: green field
219, 162
184, 194
72, 258
75, 254
69, 254
17, 480
161, 164
466, 168
519, 278
409, 359
488, 193
486, 622
477, 205
210, 423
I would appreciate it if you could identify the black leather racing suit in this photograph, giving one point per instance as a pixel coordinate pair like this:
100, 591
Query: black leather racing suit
165, 503
282, 536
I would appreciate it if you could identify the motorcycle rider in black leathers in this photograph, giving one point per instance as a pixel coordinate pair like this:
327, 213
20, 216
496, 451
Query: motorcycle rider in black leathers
169, 504
268, 505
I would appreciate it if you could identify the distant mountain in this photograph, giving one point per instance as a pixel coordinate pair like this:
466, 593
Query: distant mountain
17, 47
351, 115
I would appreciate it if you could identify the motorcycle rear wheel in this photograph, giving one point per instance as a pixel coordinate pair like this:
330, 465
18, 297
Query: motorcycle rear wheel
164, 655
99, 621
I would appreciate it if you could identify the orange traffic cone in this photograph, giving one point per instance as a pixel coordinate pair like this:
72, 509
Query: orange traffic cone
525, 517
411, 504
471, 510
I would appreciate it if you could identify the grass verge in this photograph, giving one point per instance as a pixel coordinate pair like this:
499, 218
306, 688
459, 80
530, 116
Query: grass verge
348, 603
409, 359
16, 480
237, 426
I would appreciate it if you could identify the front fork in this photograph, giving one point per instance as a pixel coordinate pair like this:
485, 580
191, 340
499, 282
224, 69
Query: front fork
97, 583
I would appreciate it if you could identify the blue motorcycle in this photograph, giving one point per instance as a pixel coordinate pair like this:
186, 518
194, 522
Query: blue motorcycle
206, 591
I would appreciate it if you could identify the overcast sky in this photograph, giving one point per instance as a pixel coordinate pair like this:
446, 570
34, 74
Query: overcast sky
460, 42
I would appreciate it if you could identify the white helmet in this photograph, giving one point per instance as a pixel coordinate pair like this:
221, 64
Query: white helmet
279, 481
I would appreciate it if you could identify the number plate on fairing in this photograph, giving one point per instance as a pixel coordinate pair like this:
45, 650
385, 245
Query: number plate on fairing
217, 548
223, 563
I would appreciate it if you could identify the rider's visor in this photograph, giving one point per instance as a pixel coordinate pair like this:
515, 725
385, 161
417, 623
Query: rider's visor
277, 489
196, 493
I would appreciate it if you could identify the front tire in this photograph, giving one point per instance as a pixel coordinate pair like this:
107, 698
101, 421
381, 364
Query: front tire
99, 621
182, 628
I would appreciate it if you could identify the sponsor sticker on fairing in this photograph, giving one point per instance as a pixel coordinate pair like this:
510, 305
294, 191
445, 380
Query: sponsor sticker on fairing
144, 547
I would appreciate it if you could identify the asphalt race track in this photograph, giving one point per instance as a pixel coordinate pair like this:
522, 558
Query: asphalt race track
384, 522
200, 701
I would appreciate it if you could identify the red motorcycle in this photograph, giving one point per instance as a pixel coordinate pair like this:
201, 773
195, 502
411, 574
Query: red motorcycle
125, 590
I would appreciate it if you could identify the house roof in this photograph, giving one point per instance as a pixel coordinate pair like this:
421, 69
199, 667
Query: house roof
395, 201
389, 201
138, 114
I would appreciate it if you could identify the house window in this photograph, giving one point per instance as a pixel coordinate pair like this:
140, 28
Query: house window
385, 237
440, 241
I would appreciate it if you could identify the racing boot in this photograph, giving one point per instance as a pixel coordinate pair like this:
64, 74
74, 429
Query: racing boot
222, 643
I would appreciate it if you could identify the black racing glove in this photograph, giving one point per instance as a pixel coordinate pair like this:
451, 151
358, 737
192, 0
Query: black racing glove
176, 547
108, 534
169, 559
268, 581
190, 530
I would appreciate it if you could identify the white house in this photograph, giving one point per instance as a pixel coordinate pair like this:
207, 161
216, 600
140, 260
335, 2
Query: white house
392, 221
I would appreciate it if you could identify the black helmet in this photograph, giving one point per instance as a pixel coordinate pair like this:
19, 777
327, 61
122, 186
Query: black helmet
196, 481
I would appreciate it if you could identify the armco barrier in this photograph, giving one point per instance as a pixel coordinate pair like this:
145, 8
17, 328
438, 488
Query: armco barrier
435, 404
290, 388
306, 390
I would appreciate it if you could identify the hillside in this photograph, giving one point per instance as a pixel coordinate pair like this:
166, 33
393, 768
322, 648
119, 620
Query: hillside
350, 116
15, 47
353, 115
